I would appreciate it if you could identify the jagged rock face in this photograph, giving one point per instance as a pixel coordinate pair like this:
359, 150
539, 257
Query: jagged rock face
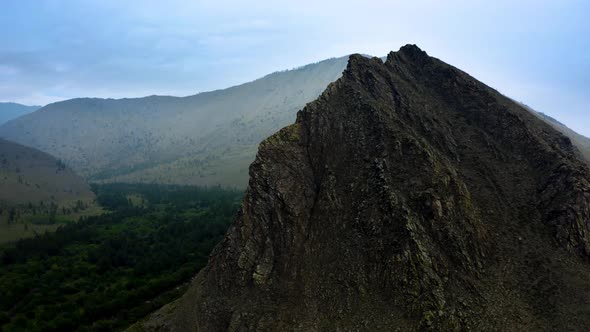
408, 196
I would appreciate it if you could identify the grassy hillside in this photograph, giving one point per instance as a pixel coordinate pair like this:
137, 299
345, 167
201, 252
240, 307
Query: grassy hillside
37, 192
9, 111
206, 139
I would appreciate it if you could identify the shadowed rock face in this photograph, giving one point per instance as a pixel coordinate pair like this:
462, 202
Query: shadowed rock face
580, 141
408, 196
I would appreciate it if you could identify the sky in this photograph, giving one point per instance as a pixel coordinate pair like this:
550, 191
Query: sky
537, 52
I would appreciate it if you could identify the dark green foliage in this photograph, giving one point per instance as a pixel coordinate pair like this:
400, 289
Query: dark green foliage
104, 273
11, 215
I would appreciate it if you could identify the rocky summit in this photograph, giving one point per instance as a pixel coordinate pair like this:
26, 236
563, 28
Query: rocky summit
408, 196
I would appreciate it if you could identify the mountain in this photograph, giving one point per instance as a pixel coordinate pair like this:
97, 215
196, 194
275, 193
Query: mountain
31, 176
206, 139
9, 111
580, 141
409, 196
38, 193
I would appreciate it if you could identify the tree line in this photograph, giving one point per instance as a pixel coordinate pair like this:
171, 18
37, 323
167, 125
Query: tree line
105, 272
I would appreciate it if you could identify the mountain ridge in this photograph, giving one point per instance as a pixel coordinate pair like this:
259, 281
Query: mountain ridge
205, 139
10, 111
173, 139
408, 196
580, 141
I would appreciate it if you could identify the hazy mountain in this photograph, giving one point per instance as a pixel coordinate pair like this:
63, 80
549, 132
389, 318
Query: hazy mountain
208, 138
408, 197
9, 111
205, 139
28, 175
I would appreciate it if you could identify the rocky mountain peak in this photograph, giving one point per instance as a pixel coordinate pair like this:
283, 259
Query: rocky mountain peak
409, 52
408, 196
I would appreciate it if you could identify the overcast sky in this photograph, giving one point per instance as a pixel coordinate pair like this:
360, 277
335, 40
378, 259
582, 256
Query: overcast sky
537, 52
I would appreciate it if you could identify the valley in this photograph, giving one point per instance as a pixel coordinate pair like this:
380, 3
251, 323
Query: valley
105, 272
374, 166
111, 253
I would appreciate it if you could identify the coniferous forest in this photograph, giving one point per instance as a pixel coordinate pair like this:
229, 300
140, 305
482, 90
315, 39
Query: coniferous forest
106, 272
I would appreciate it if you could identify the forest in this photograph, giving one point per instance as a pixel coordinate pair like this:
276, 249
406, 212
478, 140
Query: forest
105, 272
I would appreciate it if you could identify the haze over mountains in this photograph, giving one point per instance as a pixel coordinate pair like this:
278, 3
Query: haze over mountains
9, 111
206, 139
290, 166
408, 197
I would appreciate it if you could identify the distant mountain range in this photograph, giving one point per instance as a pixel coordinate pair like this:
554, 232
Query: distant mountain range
9, 111
205, 139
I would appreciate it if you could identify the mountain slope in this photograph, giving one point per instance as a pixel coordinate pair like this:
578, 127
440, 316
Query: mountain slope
37, 193
408, 196
31, 176
9, 111
206, 139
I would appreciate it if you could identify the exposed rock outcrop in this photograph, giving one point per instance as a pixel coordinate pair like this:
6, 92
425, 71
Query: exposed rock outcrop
408, 196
